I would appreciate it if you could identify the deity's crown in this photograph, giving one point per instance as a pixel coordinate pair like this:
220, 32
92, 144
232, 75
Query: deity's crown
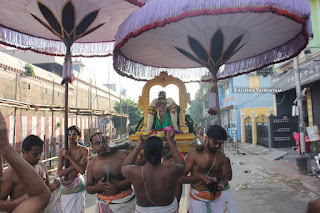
162, 94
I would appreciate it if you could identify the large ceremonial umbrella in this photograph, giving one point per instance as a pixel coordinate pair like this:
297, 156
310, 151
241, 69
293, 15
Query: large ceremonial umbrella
189, 38
67, 28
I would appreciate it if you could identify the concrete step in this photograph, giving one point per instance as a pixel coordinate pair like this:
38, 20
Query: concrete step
289, 158
275, 155
292, 159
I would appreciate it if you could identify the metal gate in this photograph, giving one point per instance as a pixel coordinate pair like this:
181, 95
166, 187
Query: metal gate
248, 129
262, 130
281, 130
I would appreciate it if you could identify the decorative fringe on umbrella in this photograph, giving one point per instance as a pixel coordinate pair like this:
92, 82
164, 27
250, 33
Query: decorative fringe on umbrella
167, 11
283, 53
160, 13
141, 72
55, 48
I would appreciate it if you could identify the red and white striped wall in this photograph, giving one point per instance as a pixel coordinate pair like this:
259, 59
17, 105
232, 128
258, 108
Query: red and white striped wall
44, 128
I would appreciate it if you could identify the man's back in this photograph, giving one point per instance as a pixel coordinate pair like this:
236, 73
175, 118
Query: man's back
158, 182
167, 161
154, 183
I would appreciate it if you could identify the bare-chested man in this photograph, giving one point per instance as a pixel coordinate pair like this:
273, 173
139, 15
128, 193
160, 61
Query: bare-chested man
154, 183
38, 194
167, 160
72, 182
104, 178
210, 173
32, 147
201, 135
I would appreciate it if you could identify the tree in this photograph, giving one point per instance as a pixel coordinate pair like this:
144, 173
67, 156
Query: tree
29, 70
199, 106
134, 112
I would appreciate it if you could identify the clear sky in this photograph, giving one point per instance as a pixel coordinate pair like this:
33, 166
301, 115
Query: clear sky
99, 68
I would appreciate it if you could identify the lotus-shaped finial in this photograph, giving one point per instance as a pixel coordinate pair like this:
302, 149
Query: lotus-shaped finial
216, 56
67, 30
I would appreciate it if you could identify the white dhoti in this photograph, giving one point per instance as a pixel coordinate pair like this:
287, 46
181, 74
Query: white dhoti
187, 198
206, 202
123, 202
172, 208
54, 203
73, 196
228, 200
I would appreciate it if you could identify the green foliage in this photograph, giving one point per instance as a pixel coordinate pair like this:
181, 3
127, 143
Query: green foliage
29, 70
135, 113
199, 106
58, 124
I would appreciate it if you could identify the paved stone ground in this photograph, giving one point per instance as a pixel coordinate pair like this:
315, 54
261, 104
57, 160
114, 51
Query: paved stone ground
262, 184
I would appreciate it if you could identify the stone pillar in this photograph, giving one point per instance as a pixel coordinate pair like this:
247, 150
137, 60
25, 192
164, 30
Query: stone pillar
254, 128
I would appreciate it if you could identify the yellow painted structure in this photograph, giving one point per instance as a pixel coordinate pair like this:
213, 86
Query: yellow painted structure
243, 131
254, 130
164, 80
309, 107
184, 141
254, 113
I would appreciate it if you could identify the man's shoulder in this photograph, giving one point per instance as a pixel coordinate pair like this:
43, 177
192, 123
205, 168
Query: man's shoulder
41, 164
226, 158
9, 174
83, 148
221, 154
9, 171
93, 161
192, 153
60, 151
132, 169
122, 153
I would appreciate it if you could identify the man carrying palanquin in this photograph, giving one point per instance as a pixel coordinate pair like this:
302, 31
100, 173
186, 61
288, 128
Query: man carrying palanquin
210, 173
167, 160
32, 147
104, 178
154, 183
162, 113
72, 182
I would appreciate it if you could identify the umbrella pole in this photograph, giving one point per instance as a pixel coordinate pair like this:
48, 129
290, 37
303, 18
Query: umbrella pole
1, 171
66, 115
214, 71
66, 104
215, 83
